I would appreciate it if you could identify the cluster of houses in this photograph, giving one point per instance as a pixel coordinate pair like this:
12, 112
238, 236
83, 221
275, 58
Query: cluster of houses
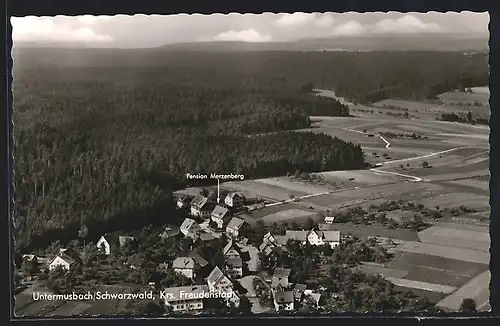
209, 222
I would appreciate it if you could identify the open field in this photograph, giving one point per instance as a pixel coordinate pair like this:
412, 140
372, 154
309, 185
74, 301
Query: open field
287, 215
456, 237
461, 254
297, 185
378, 269
450, 200
477, 289
260, 189
365, 231
426, 286
357, 178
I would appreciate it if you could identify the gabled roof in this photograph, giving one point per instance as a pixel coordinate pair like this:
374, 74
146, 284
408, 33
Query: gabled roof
183, 263
281, 240
297, 235
199, 201
234, 262
219, 212
185, 197
215, 276
198, 259
233, 194
283, 296
66, 255
281, 272
316, 297
188, 224
169, 231
231, 245
235, 223
331, 236
205, 236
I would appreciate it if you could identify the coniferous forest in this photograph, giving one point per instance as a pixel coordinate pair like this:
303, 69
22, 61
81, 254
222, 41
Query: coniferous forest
103, 137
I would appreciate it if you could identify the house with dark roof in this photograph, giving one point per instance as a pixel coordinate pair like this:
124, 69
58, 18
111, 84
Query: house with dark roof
220, 216
66, 259
170, 231
190, 228
234, 267
283, 300
186, 298
231, 250
298, 291
183, 200
201, 207
234, 199
235, 227
185, 266
280, 277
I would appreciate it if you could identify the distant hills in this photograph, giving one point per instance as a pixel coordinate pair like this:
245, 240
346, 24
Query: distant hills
393, 42
400, 42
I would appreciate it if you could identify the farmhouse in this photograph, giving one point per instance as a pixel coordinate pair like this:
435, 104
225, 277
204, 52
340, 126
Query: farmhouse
186, 298
234, 267
283, 300
315, 238
185, 266
206, 237
184, 200
234, 199
201, 206
234, 227
220, 216
65, 259
190, 228
280, 277
218, 282
169, 232
329, 219
231, 250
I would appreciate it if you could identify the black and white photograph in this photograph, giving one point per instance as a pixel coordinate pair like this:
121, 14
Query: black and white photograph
251, 164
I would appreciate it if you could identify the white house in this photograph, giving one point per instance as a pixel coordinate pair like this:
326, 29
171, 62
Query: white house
234, 267
201, 207
104, 245
329, 219
280, 277
218, 282
186, 298
190, 228
234, 199
64, 260
315, 238
220, 216
185, 266
106, 242
283, 300
231, 250
234, 227
183, 200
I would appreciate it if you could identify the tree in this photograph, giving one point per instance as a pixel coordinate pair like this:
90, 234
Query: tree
425, 164
469, 117
468, 305
30, 267
83, 233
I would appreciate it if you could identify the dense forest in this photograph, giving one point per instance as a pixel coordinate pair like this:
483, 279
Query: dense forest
102, 137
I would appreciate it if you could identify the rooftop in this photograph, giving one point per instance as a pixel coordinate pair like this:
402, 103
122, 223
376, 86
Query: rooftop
219, 211
283, 296
234, 262
183, 262
235, 223
281, 272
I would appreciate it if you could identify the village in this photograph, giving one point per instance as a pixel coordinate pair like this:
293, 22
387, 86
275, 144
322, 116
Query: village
244, 272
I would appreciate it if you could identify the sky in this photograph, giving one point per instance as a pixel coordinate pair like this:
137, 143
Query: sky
140, 31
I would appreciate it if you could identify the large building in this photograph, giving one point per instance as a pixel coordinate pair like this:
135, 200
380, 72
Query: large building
186, 298
220, 216
201, 207
234, 199
185, 266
